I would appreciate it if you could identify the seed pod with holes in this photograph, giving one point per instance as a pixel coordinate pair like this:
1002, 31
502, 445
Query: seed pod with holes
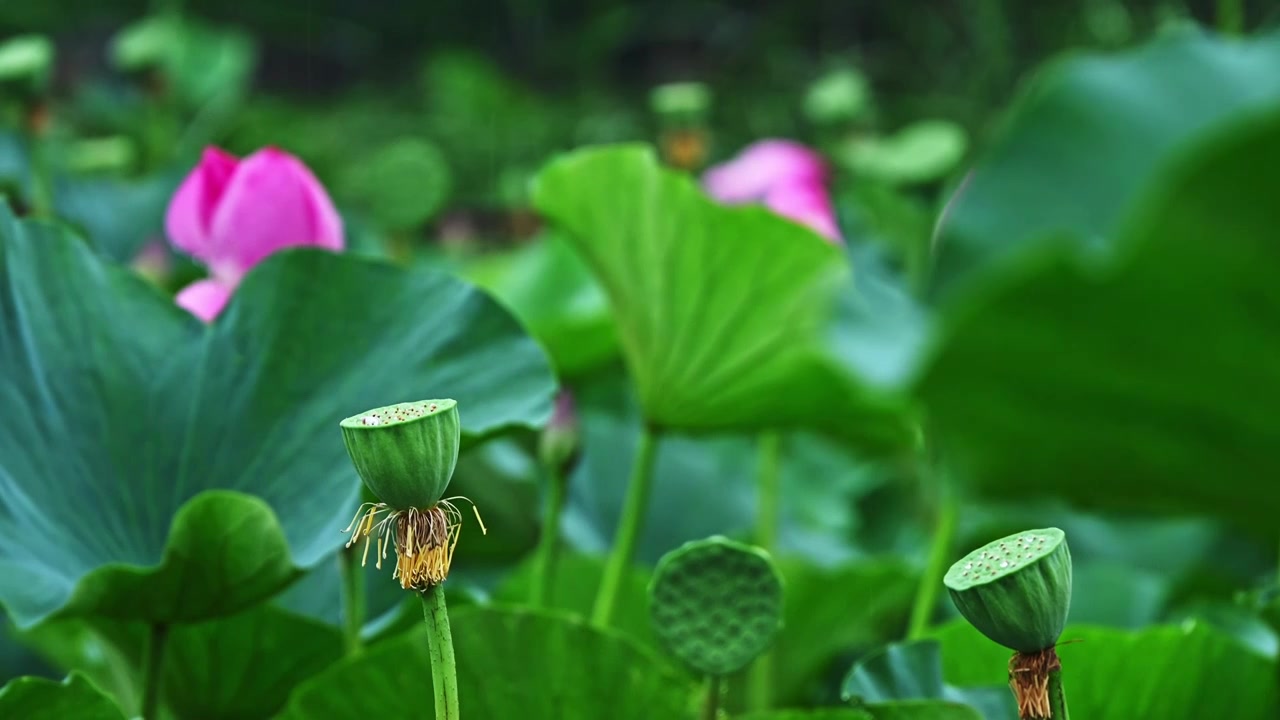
405, 453
716, 604
1016, 590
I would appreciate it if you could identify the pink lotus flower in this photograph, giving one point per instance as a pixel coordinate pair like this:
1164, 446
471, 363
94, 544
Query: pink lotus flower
784, 176
231, 214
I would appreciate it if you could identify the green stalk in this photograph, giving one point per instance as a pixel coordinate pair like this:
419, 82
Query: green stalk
768, 519
353, 600
1057, 697
1231, 17
547, 554
41, 164
153, 670
711, 705
944, 531
444, 672
624, 543
769, 491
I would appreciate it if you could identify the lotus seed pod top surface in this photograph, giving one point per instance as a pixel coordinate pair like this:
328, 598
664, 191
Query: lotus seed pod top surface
716, 604
405, 453
1002, 557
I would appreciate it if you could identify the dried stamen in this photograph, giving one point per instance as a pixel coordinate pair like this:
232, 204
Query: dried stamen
424, 540
1029, 680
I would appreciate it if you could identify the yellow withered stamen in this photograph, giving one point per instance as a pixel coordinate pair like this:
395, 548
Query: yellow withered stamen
424, 540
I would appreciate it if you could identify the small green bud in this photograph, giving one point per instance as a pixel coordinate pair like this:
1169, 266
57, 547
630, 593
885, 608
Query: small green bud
148, 43
716, 604
1016, 590
681, 101
839, 96
405, 453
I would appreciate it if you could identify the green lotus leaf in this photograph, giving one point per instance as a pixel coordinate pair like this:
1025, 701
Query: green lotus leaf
1189, 672
722, 312
75, 698
1089, 134
401, 184
853, 607
913, 671
511, 663
549, 288
893, 710
1137, 381
124, 411
923, 152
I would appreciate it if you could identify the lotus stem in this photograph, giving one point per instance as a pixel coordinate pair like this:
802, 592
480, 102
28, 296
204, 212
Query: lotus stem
944, 531
547, 554
1036, 682
711, 704
632, 522
768, 520
444, 671
37, 127
153, 671
353, 598
1230, 18
1057, 697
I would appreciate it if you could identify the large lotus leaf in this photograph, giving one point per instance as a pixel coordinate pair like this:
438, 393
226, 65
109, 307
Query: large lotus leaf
547, 286
124, 408
1142, 381
913, 671
16, 658
511, 664
75, 698
721, 312
1185, 672
1090, 133
117, 216
242, 666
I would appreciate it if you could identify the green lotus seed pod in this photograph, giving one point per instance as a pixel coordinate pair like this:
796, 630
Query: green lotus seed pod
1016, 590
716, 604
405, 453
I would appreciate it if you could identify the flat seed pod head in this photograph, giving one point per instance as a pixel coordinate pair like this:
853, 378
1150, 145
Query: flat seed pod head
1016, 590
716, 604
405, 453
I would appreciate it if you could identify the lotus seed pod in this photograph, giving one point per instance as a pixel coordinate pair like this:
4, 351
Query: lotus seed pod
1016, 590
716, 604
405, 453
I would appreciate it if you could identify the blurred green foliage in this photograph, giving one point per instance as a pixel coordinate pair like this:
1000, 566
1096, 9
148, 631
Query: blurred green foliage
1060, 314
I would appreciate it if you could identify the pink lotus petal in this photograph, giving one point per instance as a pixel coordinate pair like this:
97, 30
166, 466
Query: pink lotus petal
204, 298
807, 204
272, 202
762, 166
189, 217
